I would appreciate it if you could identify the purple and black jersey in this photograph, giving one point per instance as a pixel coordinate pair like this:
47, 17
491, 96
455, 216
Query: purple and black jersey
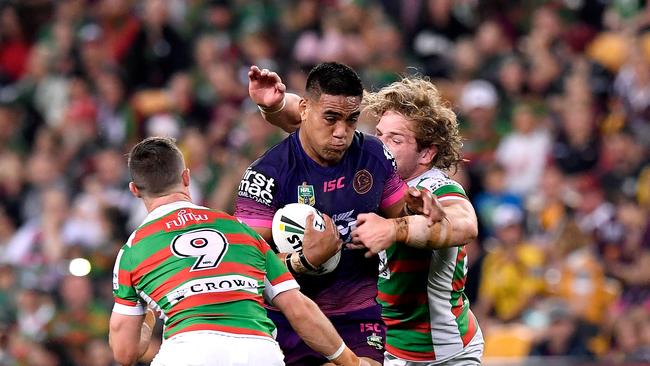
365, 180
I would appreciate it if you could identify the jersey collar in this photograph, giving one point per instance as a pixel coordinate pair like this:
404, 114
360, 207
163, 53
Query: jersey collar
163, 210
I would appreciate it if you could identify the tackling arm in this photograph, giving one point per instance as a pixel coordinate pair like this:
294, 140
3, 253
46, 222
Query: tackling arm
458, 226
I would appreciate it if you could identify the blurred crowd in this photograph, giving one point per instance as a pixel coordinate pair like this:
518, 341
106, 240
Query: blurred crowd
553, 99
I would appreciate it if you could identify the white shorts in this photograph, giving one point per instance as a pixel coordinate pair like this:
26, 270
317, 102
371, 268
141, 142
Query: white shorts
470, 356
211, 348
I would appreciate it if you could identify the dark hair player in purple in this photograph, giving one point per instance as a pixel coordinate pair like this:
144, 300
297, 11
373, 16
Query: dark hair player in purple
342, 173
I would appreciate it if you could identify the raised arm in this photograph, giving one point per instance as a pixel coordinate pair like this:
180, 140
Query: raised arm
278, 107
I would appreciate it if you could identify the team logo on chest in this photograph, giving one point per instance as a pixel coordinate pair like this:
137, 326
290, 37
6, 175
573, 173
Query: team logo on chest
306, 194
362, 182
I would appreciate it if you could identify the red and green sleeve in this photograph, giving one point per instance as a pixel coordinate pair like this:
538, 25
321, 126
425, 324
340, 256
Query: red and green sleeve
277, 279
127, 301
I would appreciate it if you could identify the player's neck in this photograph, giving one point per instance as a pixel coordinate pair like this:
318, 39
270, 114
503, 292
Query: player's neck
155, 202
421, 169
306, 147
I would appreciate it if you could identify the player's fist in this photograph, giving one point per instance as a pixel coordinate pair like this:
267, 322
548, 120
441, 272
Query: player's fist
319, 246
265, 88
421, 201
373, 232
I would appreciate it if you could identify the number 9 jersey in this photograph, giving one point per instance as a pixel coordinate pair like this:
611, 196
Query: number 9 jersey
201, 269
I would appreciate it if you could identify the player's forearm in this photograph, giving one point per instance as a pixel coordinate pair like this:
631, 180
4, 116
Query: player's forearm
145, 339
123, 351
450, 231
286, 115
318, 333
145, 332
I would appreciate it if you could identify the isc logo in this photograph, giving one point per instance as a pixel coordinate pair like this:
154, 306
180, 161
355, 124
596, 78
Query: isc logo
333, 184
370, 327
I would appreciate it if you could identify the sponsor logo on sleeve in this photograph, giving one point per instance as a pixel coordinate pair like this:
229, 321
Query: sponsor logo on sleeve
116, 283
384, 271
434, 183
116, 270
257, 186
389, 156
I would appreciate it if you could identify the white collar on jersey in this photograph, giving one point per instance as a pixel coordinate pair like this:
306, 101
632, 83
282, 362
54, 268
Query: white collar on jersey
163, 210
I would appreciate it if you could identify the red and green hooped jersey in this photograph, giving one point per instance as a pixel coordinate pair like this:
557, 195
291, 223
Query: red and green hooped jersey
421, 291
203, 269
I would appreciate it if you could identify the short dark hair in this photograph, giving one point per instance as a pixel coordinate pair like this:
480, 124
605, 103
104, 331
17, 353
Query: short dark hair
156, 165
333, 78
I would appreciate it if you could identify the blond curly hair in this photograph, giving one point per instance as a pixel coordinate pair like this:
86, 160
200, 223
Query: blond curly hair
418, 100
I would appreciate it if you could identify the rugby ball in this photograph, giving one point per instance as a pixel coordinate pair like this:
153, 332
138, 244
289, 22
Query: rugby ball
288, 229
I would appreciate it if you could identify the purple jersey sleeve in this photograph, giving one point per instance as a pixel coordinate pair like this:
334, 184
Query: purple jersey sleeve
393, 191
395, 187
257, 196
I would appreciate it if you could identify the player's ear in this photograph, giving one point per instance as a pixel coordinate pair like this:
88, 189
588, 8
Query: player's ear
427, 154
134, 190
186, 177
302, 108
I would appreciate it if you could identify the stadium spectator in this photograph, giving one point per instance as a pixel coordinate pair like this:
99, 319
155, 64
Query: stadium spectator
478, 104
524, 151
512, 274
562, 337
494, 194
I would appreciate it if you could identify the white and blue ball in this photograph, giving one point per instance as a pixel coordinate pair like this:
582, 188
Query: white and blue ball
288, 229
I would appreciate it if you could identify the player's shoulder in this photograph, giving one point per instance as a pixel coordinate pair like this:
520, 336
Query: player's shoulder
375, 148
438, 183
276, 154
278, 159
264, 178
367, 142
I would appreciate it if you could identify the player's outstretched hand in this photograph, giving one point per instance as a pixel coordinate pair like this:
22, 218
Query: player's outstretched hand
319, 246
265, 87
422, 202
373, 232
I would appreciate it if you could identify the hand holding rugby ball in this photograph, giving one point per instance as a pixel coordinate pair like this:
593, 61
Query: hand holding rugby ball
322, 245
